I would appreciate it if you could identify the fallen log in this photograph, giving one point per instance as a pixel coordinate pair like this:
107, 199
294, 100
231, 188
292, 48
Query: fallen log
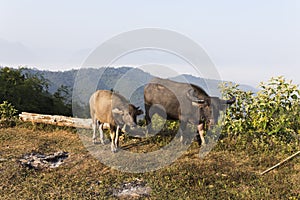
58, 120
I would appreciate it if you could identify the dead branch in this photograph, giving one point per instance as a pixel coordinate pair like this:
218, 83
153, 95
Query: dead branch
278, 164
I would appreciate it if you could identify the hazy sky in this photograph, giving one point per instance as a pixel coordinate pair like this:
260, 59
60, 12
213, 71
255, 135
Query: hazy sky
248, 41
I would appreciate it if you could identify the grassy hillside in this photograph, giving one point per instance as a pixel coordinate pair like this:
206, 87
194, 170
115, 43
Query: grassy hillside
230, 171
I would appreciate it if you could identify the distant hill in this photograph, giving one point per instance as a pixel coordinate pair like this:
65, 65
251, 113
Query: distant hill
211, 85
15, 52
57, 78
126, 80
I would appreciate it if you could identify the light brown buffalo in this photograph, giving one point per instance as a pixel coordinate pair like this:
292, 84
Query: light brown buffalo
114, 109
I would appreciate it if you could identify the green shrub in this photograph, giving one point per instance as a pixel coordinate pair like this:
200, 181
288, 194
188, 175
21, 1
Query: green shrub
273, 110
237, 117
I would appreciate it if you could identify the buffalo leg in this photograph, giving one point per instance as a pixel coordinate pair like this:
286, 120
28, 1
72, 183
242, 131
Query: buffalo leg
94, 126
200, 128
147, 114
101, 133
113, 138
185, 133
181, 129
147, 118
117, 137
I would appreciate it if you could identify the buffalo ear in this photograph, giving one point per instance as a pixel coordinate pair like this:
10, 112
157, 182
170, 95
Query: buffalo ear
198, 104
139, 112
117, 111
194, 104
191, 96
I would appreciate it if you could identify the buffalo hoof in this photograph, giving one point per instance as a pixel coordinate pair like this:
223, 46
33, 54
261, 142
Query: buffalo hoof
115, 150
186, 142
106, 141
198, 139
96, 142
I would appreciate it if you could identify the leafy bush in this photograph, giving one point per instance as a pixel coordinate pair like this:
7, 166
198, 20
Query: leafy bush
7, 111
274, 110
7, 114
237, 117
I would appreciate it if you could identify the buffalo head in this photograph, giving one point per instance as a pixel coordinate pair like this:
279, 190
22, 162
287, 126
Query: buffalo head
126, 116
134, 112
209, 107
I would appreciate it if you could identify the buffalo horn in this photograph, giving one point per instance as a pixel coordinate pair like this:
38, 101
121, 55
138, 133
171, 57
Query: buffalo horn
199, 101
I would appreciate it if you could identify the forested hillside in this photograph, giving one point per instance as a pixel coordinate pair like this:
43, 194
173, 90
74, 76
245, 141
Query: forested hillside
48, 92
120, 79
29, 92
111, 75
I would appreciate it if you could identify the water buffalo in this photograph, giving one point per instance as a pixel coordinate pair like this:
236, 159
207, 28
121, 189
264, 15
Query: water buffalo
182, 101
112, 108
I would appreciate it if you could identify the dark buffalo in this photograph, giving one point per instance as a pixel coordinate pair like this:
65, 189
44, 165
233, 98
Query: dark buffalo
185, 102
112, 108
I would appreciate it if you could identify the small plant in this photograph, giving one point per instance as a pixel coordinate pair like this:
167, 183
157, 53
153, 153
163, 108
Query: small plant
158, 122
7, 114
7, 111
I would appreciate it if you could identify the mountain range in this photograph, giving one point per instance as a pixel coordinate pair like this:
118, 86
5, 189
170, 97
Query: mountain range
126, 80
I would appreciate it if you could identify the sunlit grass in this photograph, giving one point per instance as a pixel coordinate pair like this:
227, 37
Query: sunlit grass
229, 171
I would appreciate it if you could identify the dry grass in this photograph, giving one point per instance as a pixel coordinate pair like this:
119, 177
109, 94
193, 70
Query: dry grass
228, 172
